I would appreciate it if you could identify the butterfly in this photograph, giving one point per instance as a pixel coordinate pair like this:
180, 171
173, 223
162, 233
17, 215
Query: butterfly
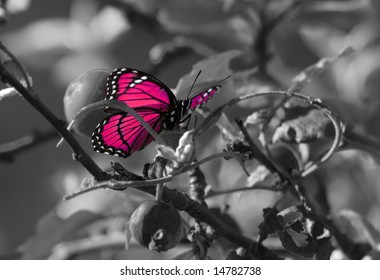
120, 134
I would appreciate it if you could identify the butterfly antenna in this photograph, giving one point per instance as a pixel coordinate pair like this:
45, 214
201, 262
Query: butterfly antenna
215, 84
188, 94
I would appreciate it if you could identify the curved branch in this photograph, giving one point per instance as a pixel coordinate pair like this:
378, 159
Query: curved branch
79, 153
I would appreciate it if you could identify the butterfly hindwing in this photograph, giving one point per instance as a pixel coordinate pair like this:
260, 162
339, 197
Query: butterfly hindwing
122, 134
138, 89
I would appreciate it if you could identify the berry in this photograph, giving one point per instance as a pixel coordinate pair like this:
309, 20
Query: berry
156, 225
88, 88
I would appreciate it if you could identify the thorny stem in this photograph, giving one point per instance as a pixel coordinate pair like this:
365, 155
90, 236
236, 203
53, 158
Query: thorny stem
79, 153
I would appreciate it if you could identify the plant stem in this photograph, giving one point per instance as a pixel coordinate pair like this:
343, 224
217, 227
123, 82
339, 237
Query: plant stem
243, 189
59, 125
257, 153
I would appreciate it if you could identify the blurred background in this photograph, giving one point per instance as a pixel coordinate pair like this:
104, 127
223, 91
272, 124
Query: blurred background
57, 41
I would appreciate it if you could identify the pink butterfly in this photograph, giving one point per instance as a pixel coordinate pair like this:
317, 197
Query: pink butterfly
120, 134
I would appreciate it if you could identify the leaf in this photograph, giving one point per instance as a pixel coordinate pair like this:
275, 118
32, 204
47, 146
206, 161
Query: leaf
307, 75
256, 118
343, 14
324, 251
270, 224
16, 6
211, 23
258, 174
239, 254
358, 228
214, 69
179, 46
310, 125
303, 236
289, 244
186, 255
52, 230
7, 92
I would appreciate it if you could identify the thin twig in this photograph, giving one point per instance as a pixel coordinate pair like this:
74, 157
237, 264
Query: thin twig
243, 189
258, 154
355, 140
79, 153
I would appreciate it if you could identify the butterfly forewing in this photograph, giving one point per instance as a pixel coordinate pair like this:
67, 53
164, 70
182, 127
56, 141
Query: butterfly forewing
138, 89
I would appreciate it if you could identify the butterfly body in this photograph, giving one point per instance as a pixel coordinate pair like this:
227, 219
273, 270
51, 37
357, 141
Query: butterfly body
120, 134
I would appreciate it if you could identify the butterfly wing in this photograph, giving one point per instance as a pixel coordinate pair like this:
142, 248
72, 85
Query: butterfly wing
138, 89
202, 97
122, 134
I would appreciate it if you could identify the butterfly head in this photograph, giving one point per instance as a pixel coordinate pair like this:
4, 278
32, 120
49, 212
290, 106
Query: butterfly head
173, 117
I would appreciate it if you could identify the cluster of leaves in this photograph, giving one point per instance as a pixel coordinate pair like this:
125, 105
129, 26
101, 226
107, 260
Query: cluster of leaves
281, 139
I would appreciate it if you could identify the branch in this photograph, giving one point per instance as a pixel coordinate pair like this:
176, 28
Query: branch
356, 140
182, 202
79, 153
89, 185
258, 154
243, 189
10, 150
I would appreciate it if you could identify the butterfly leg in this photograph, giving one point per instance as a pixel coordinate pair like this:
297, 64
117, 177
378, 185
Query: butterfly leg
187, 118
